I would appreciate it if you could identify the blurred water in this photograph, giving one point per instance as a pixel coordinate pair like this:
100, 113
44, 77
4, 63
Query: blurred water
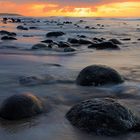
64, 93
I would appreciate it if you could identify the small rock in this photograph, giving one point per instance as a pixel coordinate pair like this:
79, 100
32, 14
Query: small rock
55, 34
85, 41
8, 38
126, 39
20, 27
115, 41
104, 45
63, 45
3, 32
87, 27
73, 40
47, 41
32, 28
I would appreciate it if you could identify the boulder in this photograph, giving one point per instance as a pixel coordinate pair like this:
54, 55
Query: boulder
102, 116
104, 45
55, 34
97, 75
21, 106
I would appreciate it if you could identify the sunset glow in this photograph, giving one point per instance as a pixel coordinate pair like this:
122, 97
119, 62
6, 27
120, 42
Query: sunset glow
95, 9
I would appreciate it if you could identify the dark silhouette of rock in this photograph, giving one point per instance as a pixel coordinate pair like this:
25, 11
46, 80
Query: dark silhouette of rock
53, 45
97, 75
21, 106
20, 27
81, 36
126, 39
85, 41
8, 38
115, 41
104, 45
102, 117
64, 44
55, 34
70, 49
47, 41
87, 27
4, 32
98, 39
33, 28
73, 40
39, 46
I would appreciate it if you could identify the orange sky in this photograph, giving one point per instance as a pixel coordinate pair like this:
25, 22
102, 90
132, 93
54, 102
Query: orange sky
97, 8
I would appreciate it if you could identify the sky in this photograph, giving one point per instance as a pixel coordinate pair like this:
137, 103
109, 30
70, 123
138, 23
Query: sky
74, 8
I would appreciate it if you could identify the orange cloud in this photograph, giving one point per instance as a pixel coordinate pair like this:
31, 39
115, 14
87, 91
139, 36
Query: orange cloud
103, 9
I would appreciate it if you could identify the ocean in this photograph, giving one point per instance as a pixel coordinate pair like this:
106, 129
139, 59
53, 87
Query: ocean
61, 93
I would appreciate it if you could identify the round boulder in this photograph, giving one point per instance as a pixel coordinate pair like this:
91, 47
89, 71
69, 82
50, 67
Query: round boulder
97, 75
102, 117
21, 106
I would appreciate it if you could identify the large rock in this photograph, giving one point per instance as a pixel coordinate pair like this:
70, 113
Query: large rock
97, 75
104, 45
21, 106
55, 34
103, 117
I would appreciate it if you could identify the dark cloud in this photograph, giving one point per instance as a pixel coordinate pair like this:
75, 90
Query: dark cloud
71, 2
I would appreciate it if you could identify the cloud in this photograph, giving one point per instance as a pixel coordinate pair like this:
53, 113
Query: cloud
72, 7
